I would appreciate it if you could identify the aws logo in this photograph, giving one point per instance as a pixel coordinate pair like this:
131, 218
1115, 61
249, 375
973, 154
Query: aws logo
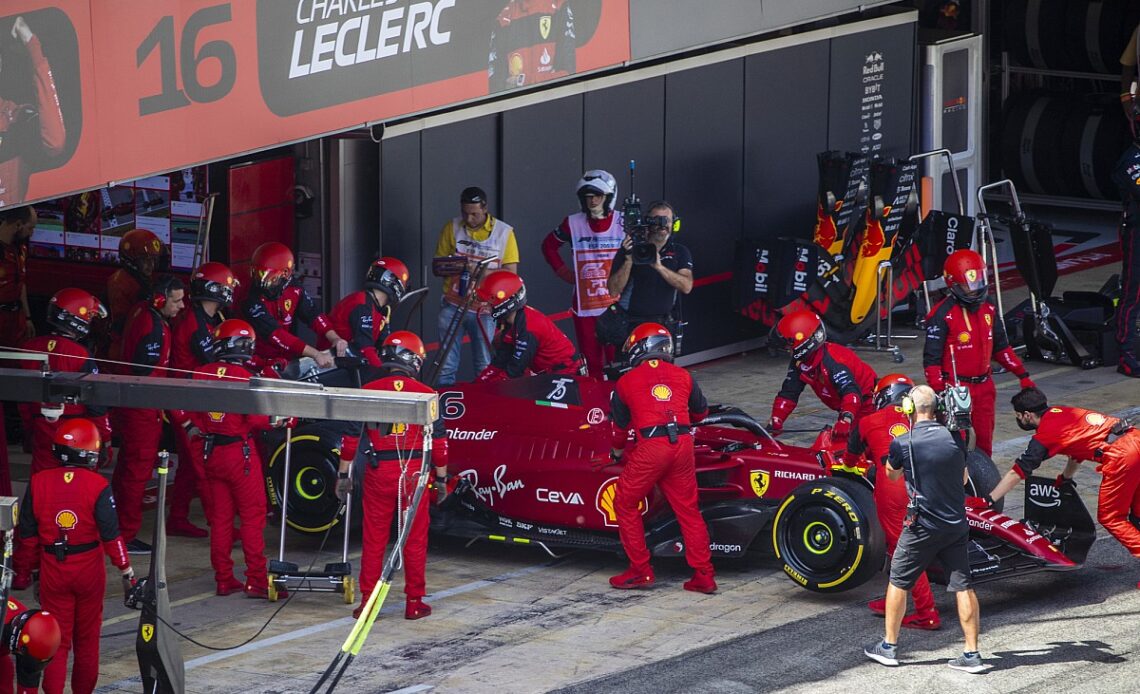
607, 494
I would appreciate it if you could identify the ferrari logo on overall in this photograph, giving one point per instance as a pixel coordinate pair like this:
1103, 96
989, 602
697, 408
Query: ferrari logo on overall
662, 392
398, 384
51, 345
68, 476
147, 632
288, 305
759, 480
544, 26
221, 371
989, 319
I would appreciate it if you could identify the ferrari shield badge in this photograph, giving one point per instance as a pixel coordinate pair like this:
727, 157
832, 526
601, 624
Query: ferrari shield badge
51, 345
288, 305
759, 480
147, 632
544, 26
971, 275
398, 384
68, 476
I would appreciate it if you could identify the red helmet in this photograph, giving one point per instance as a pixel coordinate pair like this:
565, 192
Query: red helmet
503, 291
271, 267
390, 276
965, 274
138, 245
803, 332
403, 350
890, 389
213, 282
648, 341
234, 340
71, 311
77, 442
34, 633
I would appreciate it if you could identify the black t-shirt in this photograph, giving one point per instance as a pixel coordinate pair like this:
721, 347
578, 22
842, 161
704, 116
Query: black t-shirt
647, 293
940, 464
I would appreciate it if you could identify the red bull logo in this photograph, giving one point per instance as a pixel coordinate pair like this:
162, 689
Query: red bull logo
874, 238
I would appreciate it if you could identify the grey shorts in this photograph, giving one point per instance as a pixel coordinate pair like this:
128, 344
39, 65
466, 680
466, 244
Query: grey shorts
920, 546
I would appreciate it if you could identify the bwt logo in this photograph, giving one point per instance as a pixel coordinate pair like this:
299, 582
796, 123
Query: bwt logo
760, 286
951, 233
800, 276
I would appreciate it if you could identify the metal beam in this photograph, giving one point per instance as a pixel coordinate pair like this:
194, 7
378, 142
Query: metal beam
256, 396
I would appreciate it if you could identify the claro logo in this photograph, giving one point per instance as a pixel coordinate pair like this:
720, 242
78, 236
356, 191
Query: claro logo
951, 233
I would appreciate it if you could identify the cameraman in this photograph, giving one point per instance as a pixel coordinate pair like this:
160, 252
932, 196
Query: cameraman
935, 527
648, 284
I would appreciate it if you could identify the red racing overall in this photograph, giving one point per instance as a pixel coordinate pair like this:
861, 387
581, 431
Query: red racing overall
387, 491
978, 338
532, 344
842, 380
650, 399
272, 320
68, 511
146, 344
26, 673
236, 484
52, 134
192, 342
1088, 435
362, 321
872, 437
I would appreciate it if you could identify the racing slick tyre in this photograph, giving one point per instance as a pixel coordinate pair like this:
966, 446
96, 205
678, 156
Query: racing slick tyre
827, 535
313, 466
984, 476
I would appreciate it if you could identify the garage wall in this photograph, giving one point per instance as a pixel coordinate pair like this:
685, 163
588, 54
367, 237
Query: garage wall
731, 144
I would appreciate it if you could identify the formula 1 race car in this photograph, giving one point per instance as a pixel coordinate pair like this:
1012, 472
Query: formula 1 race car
532, 458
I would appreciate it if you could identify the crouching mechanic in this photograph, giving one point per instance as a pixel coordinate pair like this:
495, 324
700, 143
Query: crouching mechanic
362, 317
32, 636
660, 402
233, 466
964, 334
68, 511
842, 380
1082, 435
872, 438
526, 341
936, 528
394, 455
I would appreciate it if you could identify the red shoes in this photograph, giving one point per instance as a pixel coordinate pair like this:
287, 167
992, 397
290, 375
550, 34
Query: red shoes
184, 528
701, 582
929, 621
415, 608
230, 586
633, 577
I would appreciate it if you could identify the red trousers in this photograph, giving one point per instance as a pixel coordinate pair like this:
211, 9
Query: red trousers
236, 488
890, 503
596, 354
190, 478
671, 467
1120, 491
383, 486
141, 431
983, 415
73, 592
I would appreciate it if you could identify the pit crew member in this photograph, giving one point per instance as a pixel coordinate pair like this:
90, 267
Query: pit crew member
394, 459
872, 438
969, 325
472, 236
362, 317
526, 341
936, 529
32, 636
146, 345
276, 300
1082, 435
69, 513
842, 380
140, 252
660, 402
594, 233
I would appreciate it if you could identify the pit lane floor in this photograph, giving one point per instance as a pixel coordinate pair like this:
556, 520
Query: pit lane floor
514, 620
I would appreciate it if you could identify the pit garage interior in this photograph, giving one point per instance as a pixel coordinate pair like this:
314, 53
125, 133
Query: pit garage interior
723, 112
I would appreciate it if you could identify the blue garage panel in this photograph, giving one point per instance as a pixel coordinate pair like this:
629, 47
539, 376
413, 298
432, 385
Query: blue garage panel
785, 124
704, 135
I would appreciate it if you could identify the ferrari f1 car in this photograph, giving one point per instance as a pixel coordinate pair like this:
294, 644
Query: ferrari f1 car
532, 457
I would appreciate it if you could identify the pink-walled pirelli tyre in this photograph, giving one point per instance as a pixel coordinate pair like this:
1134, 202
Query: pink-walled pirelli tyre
827, 535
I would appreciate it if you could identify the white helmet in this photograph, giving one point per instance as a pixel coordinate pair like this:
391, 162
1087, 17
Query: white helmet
601, 181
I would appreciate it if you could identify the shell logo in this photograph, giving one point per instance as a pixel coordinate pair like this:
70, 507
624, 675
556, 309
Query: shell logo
661, 392
799, 336
971, 275
515, 64
963, 338
398, 384
66, 519
500, 294
897, 430
607, 494
216, 416
1095, 418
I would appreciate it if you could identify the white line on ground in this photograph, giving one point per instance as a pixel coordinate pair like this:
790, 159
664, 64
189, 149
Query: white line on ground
413, 689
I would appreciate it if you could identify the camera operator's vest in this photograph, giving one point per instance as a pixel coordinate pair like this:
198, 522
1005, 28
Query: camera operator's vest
494, 246
593, 257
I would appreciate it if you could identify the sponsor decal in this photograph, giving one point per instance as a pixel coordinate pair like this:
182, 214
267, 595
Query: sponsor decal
523, 526
559, 390
596, 416
559, 532
500, 486
398, 384
727, 549
980, 524
839, 500
1044, 494
796, 575
760, 281
288, 306
68, 476
544, 25
1095, 418
951, 233
553, 496
1055, 409
800, 275
147, 632
1009, 523
51, 345
66, 519
804, 476
607, 493
221, 371
971, 275
662, 392
216, 416
897, 430
759, 481
470, 435
678, 547
989, 319
963, 338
